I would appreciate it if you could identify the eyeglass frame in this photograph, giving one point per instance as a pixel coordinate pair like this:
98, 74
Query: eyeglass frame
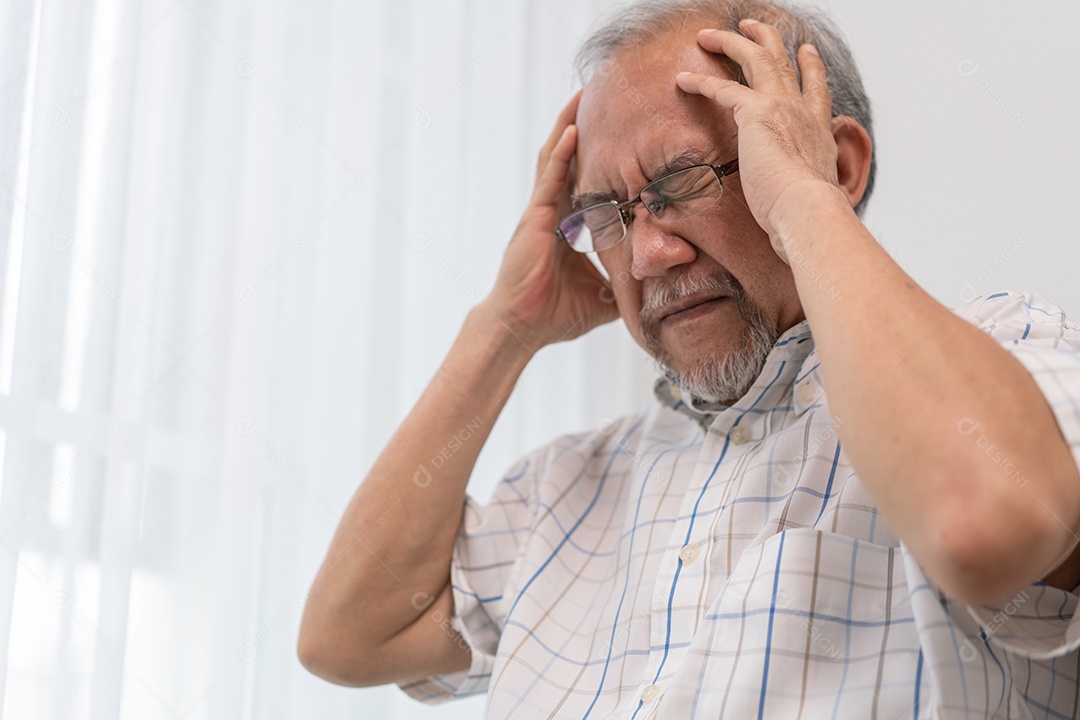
626, 219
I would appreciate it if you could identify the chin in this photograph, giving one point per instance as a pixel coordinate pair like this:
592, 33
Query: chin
723, 372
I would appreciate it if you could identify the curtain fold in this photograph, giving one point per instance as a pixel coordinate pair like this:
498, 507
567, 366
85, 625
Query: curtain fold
238, 240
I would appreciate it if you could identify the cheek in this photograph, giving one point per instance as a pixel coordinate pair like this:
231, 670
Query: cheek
628, 297
616, 263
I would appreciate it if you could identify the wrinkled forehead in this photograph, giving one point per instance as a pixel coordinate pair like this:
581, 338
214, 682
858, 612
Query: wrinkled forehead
633, 118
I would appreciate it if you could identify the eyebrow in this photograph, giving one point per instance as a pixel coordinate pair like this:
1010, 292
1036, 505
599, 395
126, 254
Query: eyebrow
688, 157
683, 160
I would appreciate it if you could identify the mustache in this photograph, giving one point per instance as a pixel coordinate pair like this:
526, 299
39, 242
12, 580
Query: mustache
660, 296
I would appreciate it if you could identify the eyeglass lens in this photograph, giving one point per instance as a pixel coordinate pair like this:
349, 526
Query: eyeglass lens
678, 196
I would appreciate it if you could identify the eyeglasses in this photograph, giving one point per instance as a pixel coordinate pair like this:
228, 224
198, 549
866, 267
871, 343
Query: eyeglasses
673, 197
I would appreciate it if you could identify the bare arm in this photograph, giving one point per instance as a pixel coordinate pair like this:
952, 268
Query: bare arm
391, 552
378, 610
904, 376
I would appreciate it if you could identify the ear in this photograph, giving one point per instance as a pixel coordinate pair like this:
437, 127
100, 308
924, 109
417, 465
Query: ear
854, 151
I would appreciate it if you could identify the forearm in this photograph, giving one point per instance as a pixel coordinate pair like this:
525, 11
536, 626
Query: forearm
395, 540
901, 372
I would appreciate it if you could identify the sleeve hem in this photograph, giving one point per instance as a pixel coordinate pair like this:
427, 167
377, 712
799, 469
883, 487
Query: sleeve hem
1038, 622
437, 689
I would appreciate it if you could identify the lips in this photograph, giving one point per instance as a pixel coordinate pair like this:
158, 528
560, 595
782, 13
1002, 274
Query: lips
690, 307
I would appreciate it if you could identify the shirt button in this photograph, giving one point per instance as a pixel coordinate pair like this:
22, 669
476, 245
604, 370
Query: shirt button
649, 693
807, 393
739, 434
689, 554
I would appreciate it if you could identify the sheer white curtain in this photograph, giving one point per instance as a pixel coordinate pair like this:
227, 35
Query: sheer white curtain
237, 240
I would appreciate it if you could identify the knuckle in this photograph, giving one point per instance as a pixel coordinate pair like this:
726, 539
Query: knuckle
714, 83
772, 107
764, 55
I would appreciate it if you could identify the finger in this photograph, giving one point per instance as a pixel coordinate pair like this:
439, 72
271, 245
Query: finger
815, 83
757, 63
552, 182
584, 265
566, 117
727, 93
769, 37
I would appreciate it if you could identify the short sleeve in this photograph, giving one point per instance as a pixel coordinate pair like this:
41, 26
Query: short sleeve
483, 573
1039, 622
1037, 333
1016, 658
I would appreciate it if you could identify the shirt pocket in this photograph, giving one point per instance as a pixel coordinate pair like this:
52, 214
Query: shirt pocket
814, 624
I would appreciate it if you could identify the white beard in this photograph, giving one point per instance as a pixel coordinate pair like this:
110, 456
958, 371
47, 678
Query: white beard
724, 378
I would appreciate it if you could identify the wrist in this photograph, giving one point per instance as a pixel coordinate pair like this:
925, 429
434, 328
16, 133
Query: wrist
803, 207
485, 327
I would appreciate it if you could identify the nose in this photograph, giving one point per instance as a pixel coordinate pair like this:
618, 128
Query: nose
654, 246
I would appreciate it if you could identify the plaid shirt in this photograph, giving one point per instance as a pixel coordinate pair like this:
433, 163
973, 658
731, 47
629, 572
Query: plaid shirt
727, 562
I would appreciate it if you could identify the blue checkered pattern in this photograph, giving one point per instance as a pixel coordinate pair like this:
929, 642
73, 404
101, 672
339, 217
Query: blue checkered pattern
708, 562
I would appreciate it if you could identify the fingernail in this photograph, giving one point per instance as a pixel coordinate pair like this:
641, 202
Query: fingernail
748, 21
812, 49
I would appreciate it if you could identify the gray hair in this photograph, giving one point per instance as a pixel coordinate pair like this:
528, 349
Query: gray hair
650, 19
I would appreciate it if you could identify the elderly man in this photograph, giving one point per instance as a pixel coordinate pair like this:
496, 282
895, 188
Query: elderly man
877, 518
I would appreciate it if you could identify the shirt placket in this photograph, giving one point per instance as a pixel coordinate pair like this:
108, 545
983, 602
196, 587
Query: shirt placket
677, 608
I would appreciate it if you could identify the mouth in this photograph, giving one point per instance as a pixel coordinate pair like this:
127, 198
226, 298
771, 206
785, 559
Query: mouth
693, 310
